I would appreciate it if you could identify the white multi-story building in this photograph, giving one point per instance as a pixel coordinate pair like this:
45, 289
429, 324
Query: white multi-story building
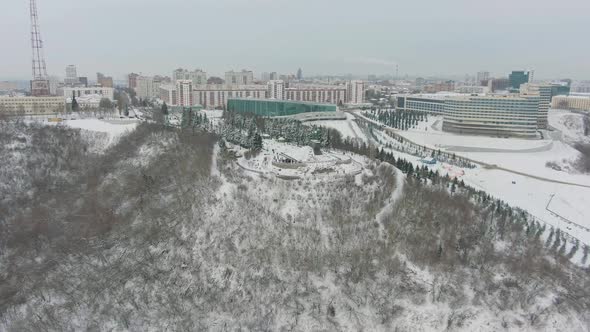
216, 96
71, 75
104, 92
197, 76
244, 77
32, 105
544, 91
184, 93
333, 94
168, 94
147, 87
482, 76
355, 92
578, 103
276, 89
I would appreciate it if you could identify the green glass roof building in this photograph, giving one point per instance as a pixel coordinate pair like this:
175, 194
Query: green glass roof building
272, 107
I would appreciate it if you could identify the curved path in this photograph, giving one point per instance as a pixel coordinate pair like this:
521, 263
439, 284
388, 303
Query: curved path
481, 163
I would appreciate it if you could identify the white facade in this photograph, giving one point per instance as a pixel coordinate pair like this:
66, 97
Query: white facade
542, 91
482, 76
333, 94
216, 96
32, 105
147, 87
355, 92
198, 76
276, 90
68, 92
184, 93
571, 103
244, 77
71, 75
168, 94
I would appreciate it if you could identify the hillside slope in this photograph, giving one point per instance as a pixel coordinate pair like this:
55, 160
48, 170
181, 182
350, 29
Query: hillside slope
164, 231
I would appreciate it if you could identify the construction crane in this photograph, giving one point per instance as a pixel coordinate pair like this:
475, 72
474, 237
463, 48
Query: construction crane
40, 82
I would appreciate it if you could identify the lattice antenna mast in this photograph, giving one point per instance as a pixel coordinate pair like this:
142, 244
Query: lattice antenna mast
39, 68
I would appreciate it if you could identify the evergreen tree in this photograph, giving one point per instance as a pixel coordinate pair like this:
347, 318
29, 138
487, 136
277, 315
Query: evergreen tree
164, 109
75, 106
126, 110
257, 142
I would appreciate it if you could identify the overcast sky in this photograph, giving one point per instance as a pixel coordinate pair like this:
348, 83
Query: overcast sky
425, 37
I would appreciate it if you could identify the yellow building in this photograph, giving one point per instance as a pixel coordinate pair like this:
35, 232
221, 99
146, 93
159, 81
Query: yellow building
571, 103
32, 105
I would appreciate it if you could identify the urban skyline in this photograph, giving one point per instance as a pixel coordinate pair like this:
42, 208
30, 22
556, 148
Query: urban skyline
340, 45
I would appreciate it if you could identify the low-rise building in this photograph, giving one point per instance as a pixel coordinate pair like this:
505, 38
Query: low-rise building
32, 105
578, 103
217, 95
105, 92
319, 93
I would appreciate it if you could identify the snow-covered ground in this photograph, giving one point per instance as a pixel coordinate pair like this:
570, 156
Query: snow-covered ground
112, 128
569, 202
348, 128
569, 124
271, 160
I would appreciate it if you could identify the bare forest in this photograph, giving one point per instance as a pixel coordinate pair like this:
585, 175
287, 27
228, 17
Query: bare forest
162, 231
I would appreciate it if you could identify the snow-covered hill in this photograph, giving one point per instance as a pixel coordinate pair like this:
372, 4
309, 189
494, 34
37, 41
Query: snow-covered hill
163, 231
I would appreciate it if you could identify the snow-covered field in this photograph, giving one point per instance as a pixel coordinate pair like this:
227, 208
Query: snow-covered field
569, 124
348, 128
569, 202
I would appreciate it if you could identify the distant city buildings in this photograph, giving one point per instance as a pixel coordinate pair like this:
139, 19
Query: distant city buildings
244, 77
197, 76
8, 86
518, 78
578, 103
319, 93
132, 80
148, 87
482, 76
299, 74
355, 92
71, 75
104, 81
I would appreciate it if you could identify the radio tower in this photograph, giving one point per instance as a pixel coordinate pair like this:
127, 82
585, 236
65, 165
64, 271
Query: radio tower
40, 83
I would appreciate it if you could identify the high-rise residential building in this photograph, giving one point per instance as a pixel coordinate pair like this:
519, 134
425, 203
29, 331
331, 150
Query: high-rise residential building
299, 74
71, 75
355, 92
482, 76
168, 94
197, 76
497, 84
148, 87
276, 89
132, 80
265, 77
244, 77
274, 76
518, 78
184, 93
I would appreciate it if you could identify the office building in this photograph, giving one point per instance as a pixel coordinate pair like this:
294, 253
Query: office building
299, 74
577, 103
80, 91
269, 107
184, 93
517, 78
276, 90
244, 77
503, 116
431, 104
71, 75
32, 105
